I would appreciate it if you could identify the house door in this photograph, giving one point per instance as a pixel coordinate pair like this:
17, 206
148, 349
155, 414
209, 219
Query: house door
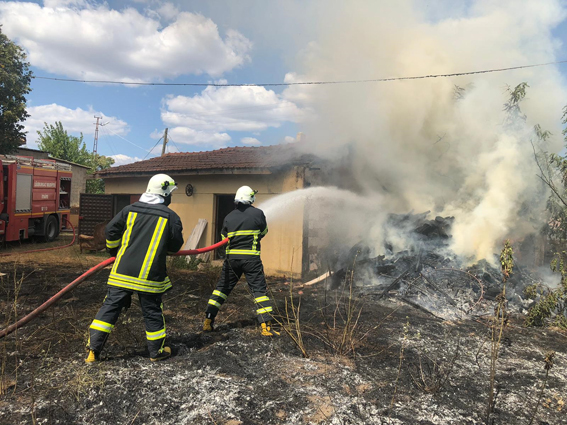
223, 205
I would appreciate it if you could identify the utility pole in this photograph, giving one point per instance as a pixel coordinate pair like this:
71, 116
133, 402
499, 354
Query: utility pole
164, 143
95, 146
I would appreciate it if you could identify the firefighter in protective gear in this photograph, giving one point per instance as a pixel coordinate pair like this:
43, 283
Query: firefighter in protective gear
245, 227
140, 236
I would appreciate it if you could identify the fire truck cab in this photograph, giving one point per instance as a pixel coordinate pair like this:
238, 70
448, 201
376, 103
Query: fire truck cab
35, 198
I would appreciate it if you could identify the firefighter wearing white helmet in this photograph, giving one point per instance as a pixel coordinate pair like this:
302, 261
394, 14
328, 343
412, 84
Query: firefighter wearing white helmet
159, 185
140, 236
245, 195
244, 227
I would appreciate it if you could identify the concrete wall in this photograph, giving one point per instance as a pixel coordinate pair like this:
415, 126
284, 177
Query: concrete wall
282, 249
78, 185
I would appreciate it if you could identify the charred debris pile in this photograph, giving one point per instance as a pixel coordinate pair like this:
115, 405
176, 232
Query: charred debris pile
427, 274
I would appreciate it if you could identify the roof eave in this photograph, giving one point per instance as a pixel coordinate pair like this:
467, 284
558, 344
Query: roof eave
259, 171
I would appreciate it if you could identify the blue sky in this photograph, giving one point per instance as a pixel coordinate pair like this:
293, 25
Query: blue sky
242, 41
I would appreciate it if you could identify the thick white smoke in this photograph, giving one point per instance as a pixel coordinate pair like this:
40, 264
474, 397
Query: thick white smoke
423, 144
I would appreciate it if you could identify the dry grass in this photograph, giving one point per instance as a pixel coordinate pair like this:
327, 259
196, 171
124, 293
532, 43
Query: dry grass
430, 373
84, 380
70, 256
292, 321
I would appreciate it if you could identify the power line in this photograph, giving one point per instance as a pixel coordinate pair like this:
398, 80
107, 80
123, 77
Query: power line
132, 143
109, 144
171, 140
150, 151
306, 83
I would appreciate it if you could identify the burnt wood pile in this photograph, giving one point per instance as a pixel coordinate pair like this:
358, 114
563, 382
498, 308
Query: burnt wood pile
427, 274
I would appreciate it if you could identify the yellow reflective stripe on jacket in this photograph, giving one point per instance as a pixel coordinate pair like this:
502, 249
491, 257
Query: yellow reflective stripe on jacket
261, 299
152, 336
113, 244
138, 287
243, 233
264, 232
216, 304
263, 310
99, 325
152, 250
129, 282
243, 251
219, 294
138, 280
125, 238
255, 243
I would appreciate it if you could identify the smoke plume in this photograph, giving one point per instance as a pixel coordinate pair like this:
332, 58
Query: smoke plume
439, 144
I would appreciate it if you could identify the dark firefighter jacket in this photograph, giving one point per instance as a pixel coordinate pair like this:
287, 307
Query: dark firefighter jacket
245, 226
144, 234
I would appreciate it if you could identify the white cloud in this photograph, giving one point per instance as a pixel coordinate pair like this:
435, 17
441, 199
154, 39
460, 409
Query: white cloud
300, 137
189, 136
219, 109
168, 11
250, 141
74, 121
121, 159
300, 94
64, 3
230, 109
73, 38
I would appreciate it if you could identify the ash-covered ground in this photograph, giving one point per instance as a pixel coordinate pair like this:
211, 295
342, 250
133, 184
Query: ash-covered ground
370, 360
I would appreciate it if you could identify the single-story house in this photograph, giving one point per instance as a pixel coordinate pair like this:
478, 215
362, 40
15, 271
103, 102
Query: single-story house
207, 182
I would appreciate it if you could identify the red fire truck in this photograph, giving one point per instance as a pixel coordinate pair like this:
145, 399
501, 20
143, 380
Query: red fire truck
35, 198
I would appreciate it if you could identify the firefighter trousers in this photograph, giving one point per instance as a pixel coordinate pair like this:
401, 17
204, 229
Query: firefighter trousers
107, 316
232, 270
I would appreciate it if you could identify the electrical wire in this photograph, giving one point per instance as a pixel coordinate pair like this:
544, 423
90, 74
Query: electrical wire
169, 139
305, 83
150, 151
105, 136
132, 143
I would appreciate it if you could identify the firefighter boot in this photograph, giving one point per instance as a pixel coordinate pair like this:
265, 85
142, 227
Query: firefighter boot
164, 354
267, 329
208, 325
92, 357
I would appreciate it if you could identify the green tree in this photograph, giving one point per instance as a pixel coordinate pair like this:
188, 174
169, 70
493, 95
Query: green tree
15, 79
550, 307
59, 144
98, 163
55, 140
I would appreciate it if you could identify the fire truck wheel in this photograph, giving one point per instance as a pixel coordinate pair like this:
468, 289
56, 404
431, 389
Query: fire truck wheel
50, 229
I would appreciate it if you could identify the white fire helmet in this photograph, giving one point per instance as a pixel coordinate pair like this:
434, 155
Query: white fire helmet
245, 195
161, 184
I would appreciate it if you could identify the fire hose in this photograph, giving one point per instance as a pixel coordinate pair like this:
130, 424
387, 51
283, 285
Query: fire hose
45, 249
82, 277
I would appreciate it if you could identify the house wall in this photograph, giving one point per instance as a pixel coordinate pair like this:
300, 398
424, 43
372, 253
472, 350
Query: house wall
78, 186
282, 249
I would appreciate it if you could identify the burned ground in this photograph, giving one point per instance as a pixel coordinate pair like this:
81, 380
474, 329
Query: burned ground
380, 361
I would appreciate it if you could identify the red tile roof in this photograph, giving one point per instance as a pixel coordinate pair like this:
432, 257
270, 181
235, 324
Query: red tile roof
262, 157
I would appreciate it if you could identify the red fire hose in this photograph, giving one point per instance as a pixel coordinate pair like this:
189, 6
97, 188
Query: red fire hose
46, 249
82, 277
